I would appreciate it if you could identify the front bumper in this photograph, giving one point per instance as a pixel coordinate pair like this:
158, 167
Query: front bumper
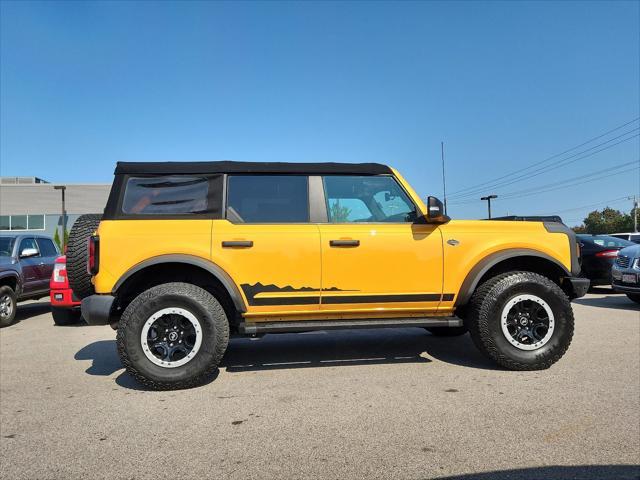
625, 288
577, 286
96, 309
617, 275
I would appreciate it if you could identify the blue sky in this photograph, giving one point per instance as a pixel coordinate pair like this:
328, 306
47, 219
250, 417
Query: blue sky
504, 85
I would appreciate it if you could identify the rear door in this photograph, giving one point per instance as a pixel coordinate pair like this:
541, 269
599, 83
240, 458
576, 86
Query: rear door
268, 245
376, 256
48, 255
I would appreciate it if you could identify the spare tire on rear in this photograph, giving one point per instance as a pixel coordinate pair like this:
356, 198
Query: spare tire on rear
77, 254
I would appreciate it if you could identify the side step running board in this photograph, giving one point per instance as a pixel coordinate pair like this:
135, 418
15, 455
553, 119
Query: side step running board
313, 325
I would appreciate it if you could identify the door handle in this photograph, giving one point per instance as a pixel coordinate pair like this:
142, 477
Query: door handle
237, 244
344, 243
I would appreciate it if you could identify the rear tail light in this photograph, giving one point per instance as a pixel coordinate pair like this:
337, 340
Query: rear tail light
607, 254
94, 255
59, 273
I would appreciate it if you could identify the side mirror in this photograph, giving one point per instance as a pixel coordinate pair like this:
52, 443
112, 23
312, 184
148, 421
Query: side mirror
29, 252
435, 211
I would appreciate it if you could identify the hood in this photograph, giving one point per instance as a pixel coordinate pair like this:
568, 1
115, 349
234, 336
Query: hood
632, 252
5, 262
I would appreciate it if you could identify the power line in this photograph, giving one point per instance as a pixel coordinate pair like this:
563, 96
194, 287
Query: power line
562, 163
473, 187
561, 184
572, 184
580, 177
556, 188
599, 204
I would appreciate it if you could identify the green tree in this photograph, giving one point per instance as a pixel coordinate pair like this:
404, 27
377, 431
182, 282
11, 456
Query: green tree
339, 213
608, 220
56, 239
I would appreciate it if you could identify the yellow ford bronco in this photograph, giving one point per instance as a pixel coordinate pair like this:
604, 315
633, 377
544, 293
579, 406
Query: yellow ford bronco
187, 254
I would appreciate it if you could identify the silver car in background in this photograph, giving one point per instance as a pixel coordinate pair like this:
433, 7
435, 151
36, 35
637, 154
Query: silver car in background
625, 272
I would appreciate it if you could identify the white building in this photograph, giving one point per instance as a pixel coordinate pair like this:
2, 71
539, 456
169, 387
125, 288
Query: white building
33, 204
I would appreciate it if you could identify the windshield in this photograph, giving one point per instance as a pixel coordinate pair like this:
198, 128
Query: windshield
605, 241
6, 246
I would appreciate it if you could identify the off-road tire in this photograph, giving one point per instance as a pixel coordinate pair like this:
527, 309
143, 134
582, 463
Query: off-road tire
215, 336
447, 331
6, 320
483, 320
77, 254
635, 297
65, 316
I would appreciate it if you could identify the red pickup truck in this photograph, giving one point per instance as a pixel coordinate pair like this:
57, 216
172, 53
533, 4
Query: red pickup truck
65, 306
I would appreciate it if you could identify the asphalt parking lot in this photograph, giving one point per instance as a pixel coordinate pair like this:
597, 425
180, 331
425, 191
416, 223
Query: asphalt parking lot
394, 403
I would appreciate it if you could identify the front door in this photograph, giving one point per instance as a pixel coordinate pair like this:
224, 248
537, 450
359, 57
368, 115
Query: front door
376, 257
31, 268
268, 245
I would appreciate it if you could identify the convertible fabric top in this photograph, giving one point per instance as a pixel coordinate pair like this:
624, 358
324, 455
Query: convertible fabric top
251, 167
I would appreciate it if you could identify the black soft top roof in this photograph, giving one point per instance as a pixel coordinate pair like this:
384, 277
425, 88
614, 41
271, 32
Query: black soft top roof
250, 167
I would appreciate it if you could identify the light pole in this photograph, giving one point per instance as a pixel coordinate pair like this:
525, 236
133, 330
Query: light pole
62, 188
488, 199
635, 212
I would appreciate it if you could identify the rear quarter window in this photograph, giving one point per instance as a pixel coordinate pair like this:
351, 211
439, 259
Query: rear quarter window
47, 248
166, 195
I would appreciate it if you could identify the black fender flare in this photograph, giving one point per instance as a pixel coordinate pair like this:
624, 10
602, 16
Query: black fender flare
221, 275
483, 266
14, 275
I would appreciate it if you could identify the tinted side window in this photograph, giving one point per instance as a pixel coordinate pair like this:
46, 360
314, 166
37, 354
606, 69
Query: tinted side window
47, 248
165, 195
267, 198
352, 198
6, 246
27, 243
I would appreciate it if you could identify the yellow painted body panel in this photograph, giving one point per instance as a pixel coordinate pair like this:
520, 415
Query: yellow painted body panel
481, 238
392, 260
295, 262
284, 255
126, 243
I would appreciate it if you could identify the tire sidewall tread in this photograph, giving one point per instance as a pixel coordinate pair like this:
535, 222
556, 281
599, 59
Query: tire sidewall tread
487, 304
6, 289
65, 316
215, 336
77, 254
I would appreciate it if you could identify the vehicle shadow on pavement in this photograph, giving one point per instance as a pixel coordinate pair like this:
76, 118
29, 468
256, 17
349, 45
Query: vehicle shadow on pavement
314, 350
26, 311
348, 348
616, 301
105, 362
557, 472
103, 355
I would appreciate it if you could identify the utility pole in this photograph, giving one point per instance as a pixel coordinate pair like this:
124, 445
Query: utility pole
488, 199
444, 183
63, 222
635, 212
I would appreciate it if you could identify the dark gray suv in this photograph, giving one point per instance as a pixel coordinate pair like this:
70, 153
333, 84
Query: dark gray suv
26, 263
625, 272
